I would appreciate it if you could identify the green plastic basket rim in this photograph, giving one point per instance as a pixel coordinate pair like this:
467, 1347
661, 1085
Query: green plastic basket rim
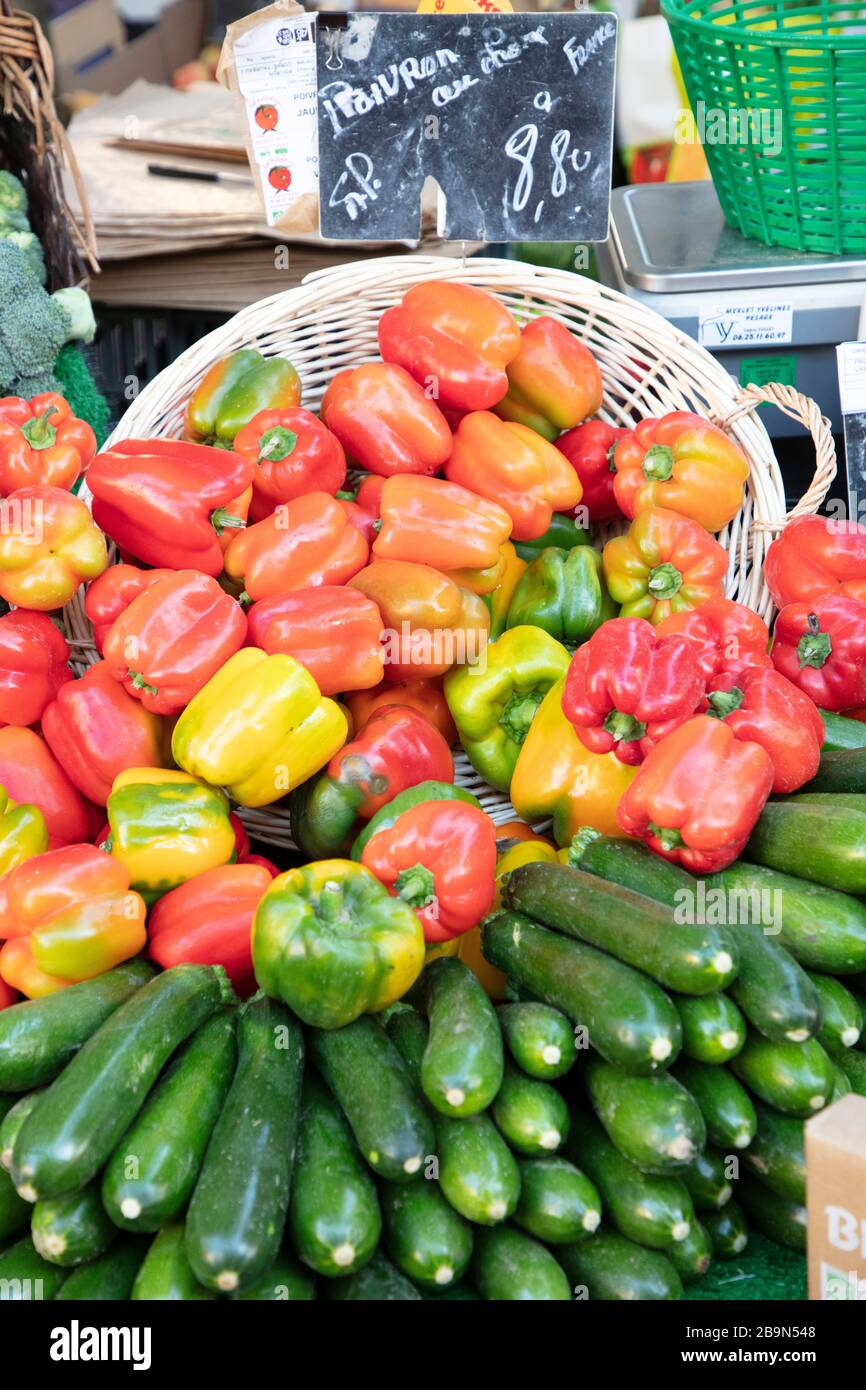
678, 14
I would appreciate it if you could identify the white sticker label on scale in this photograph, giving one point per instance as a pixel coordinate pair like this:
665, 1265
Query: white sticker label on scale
852, 377
733, 325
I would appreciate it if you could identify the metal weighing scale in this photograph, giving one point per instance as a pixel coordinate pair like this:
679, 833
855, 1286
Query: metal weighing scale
767, 314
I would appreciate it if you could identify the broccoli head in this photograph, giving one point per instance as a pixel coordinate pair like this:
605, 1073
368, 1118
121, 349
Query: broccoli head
13, 194
34, 325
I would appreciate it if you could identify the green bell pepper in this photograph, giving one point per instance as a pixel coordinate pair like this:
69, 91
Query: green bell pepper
563, 531
234, 390
563, 592
494, 702
23, 832
332, 943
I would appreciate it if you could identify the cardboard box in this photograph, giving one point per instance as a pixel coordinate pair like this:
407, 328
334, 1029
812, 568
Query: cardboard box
836, 1201
85, 35
91, 55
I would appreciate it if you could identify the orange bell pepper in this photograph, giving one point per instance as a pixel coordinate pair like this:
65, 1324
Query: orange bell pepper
513, 465
385, 420
453, 337
425, 696
31, 774
681, 462
42, 442
304, 544
429, 622
431, 522
48, 546
19, 971
665, 563
553, 382
334, 631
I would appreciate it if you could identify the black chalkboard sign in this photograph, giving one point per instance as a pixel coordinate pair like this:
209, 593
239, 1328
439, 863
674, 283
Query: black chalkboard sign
511, 114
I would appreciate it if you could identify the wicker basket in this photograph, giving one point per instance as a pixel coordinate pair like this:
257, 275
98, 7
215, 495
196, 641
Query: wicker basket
34, 145
329, 322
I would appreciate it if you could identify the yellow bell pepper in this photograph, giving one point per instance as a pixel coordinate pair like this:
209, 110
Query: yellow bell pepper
517, 853
23, 832
526, 850
556, 776
499, 599
167, 827
259, 728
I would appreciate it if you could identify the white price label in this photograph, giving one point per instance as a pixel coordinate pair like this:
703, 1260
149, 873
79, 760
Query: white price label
851, 361
276, 70
733, 325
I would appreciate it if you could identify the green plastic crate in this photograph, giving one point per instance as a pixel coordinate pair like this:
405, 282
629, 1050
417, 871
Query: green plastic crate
778, 94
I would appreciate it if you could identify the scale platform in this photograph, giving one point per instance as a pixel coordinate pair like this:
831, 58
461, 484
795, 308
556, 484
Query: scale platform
766, 313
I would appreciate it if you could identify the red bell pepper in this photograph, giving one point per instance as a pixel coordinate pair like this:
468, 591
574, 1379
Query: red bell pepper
814, 556
171, 639
439, 857
96, 731
425, 696
112, 593
453, 338
242, 839
553, 382
8, 995
589, 450
334, 631
762, 706
305, 544
627, 687
208, 920
30, 773
821, 647
168, 502
726, 635
697, 795
293, 453
430, 522
42, 443
262, 863
385, 421
33, 657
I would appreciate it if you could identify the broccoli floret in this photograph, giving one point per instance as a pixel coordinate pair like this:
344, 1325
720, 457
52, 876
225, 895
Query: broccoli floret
34, 325
11, 221
28, 242
76, 304
16, 273
13, 194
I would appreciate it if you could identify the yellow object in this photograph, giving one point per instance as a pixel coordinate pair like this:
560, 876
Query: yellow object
463, 7
259, 728
167, 827
524, 852
493, 980
556, 776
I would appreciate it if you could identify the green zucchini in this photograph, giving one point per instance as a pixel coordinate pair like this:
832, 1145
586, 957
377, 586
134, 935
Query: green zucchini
539, 1038
609, 1267
707, 1181
841, 1015
377, 1282
409, 1030
725, 1105
714, 1030
728, 1230
630, 1020
369, 1079
73, 1229
822, 928
774, 1216
841, 732
6, 1104
637, 930
334, 1214
509, 1266
285, 1282
853, 1064
38, 1037
14, 1211
773, 991
841, 1084
634, 866
149, 1178
652, 1120
236, 1217
777, 1154
531, 1114
461, 1070
558, 1203
110, 1277
424, 1236
25, 1277
13, 1120
66, 1140
165, 1274
840, 770
650, 1210
691, 1257
816, 835
477, 1171
796, 1078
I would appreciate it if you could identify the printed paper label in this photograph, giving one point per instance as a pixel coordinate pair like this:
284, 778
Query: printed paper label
733, 325
851, 361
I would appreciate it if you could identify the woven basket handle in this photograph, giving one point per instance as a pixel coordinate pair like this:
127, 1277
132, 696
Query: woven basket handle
797, 407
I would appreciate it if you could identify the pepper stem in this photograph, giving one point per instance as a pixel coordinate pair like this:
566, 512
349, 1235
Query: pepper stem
670, 839
518, 714
139, 683
664, 581
814, 646
658, 463
37, 431
221, 520
416, 886
624, 728
610, 457
579, 842
276, 444
724, 702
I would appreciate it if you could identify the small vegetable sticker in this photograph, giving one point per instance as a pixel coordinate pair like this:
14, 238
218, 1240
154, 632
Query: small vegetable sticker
267, 117
280, 178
